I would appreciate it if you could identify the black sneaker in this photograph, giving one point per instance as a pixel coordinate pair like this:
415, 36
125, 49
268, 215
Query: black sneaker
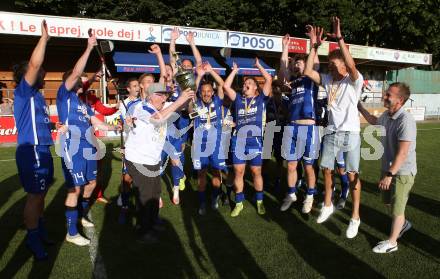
405, 228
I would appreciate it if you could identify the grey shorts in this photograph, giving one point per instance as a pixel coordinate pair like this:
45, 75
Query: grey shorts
349, 143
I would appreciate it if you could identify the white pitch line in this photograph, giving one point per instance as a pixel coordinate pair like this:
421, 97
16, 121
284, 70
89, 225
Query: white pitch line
7, 160
99, 271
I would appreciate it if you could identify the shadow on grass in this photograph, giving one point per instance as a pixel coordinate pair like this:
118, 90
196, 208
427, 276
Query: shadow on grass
104, 171
330, 256
55, 226
123, 256
230, 257
8, 187
382, 222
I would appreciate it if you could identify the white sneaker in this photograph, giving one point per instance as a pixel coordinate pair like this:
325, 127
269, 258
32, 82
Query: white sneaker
384, 247
326, 211
202, 210
86, 223
287, 202
77, 239
119, 200
307, 205
405, 228
176, 199
353, 228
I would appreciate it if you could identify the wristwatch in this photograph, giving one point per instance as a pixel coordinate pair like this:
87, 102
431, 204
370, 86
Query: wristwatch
389, 174
316, 45
339, 38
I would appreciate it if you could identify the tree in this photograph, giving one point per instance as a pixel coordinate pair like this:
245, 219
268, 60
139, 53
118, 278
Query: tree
400, 24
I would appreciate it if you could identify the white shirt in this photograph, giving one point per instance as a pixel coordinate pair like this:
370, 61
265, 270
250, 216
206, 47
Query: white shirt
145, 143
343, 97
122, 109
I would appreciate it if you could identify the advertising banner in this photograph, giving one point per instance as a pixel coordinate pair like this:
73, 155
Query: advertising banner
68, 27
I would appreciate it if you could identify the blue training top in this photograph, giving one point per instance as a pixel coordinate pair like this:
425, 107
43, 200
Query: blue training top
250, 111
211, 118
31, 115
73, 112
301, 103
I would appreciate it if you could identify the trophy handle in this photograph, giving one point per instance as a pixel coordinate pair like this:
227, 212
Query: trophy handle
193, 115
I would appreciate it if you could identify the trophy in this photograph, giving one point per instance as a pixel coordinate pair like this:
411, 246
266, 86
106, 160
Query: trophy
185, 79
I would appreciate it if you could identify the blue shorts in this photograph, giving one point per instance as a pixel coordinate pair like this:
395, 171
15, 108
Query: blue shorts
247, 150
35, 167
172, 148
183, 123
215, 159
78, 169
300, 142
340, 162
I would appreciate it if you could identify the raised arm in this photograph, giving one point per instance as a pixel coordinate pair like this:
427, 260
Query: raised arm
348, 59
195, 50
96, 77
367, 115
315, 35
284, 74
37, 57
155, 49
80, 64
218, 79
228, 83
164, 114
101, 125
173, 37
267, 87
200, 70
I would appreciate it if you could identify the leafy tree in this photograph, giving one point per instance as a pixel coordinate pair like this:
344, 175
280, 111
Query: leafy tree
401, 24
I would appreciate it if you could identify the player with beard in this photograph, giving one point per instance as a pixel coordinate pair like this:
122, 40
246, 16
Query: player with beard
206, 147
247, 141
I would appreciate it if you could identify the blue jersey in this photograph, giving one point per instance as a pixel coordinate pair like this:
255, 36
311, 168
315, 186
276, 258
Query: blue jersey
73, 112
210, 118
250, 111
31, 115
301, 103
183, 121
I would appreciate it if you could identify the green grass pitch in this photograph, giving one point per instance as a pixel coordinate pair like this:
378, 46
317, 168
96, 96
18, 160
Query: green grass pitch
277, 245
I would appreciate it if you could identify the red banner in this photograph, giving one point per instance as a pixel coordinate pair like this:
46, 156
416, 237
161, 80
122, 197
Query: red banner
297, 45
8, 131
332, 46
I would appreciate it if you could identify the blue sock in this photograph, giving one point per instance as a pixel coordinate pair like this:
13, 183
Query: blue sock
33, 241
42, 232
215, 193
311, 191
182, 158
345, 185
177, 174
72, 219
291, 190
202, 197
259, 195
125, 196
239, 197
85, 204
